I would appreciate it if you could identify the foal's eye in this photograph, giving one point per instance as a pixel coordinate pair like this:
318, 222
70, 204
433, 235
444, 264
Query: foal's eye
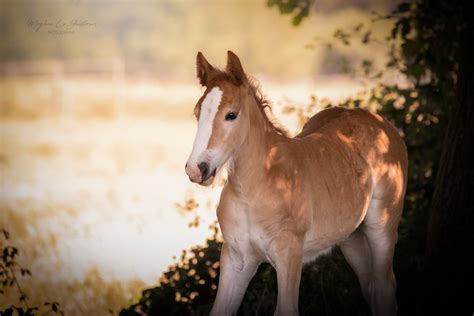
230, 116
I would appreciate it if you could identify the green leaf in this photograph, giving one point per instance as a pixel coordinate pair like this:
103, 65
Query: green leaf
299, 17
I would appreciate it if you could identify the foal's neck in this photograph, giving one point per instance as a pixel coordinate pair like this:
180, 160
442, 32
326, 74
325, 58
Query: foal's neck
249, 160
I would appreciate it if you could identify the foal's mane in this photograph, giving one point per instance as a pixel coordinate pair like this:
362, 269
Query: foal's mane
265, 106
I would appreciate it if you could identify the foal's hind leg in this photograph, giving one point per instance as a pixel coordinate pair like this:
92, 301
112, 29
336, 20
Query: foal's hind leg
380, 228
357, 253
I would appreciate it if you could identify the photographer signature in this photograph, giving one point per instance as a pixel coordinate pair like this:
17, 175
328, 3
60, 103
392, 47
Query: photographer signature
59, 26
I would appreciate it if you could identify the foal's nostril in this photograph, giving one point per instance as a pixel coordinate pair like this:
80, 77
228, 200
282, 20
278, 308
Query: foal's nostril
204, 168
186, 166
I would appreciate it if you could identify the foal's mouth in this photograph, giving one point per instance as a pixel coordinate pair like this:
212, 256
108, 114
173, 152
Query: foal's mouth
209, 178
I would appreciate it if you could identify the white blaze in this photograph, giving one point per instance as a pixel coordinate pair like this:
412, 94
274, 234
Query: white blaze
209, 108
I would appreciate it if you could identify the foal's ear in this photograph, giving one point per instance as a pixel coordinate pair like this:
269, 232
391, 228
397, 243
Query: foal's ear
234, 68
204, 69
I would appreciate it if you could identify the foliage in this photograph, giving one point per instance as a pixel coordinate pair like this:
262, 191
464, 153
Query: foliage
9, 270
301, 7
423, 46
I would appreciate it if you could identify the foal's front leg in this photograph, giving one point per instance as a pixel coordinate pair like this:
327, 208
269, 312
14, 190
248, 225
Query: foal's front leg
236, 271
287, 259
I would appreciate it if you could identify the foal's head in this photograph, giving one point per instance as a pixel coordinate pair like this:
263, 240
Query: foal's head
222, 119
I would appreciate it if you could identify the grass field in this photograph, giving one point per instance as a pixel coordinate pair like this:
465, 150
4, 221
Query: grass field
91, 172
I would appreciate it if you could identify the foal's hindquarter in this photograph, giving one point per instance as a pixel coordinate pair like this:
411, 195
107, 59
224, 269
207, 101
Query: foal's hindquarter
288, 200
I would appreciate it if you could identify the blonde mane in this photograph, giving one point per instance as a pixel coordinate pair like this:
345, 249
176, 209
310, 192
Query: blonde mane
265, 106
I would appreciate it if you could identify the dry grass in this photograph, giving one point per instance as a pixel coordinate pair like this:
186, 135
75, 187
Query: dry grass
91, 174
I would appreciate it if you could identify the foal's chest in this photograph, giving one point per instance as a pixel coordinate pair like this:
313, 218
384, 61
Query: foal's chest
243, 231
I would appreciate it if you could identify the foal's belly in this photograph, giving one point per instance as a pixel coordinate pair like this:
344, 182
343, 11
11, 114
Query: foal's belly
316, 248
316, 245
258, 245
311, 254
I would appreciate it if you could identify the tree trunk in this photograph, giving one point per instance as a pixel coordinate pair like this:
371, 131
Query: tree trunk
448, 279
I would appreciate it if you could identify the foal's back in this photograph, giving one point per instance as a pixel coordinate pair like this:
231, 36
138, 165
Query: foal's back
370, 137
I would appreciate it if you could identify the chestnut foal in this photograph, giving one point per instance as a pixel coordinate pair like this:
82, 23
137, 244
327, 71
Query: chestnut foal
341, 181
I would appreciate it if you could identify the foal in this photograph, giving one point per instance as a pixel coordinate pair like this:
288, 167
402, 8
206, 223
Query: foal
341, 181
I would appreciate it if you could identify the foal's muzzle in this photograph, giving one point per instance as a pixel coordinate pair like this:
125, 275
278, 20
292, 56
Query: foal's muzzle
204, 168
205, 171
202, 175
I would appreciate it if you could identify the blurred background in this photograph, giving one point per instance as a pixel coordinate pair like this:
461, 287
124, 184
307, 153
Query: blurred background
96, 102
